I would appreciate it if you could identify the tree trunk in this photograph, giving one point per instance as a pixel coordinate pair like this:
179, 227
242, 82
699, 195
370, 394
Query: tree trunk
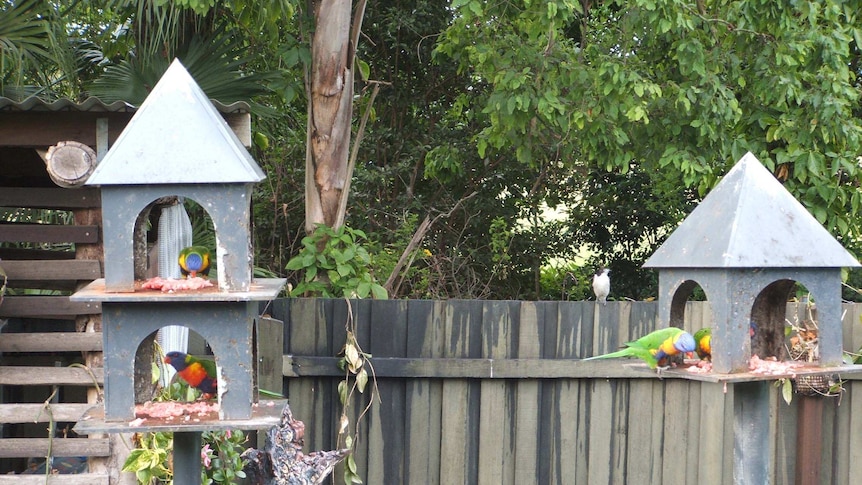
330, 111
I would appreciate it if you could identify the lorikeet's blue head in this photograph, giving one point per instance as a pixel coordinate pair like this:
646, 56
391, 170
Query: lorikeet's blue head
685, 343
176, 359
194, 260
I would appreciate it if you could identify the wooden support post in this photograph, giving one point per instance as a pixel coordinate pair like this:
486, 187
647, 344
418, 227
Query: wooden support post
187, 457
809, 439
752, 444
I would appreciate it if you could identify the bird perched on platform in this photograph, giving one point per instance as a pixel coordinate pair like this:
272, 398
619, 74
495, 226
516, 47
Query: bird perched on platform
199, 373
703, 342
195, 260
602, 285
655, 348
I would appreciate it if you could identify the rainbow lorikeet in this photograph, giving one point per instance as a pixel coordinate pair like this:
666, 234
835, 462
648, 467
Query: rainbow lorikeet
199, 373
656, 347
194, 260
703, 339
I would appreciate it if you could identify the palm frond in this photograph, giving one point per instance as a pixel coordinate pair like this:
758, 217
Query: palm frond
24, 36
214, 61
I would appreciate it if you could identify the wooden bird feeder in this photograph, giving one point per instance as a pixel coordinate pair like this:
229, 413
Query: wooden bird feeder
177, 144
747, 245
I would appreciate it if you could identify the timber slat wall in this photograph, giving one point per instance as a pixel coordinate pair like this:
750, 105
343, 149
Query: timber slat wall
490, 392
40, 278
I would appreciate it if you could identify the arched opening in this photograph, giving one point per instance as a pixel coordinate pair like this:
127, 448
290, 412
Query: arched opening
690, 307
163, 228
769, 317
156, 380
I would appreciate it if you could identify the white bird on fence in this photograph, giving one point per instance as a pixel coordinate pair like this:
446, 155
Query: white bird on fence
602, 285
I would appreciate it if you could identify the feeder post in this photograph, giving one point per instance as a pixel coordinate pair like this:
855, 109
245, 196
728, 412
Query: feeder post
187, 457
752, 446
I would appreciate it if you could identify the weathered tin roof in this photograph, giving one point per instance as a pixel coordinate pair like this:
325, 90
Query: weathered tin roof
176, 137
93, 104
749, 220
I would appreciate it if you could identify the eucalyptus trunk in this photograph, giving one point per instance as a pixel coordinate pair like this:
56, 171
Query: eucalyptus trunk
330, 112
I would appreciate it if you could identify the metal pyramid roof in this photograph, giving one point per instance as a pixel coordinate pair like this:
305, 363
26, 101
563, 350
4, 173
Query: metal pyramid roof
749, 220
177, 136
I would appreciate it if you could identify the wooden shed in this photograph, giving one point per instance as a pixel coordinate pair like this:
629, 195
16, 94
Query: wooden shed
50, 245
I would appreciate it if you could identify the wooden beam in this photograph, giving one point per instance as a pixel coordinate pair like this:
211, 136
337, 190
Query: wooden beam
49, 376
8, 254
46, 128
51, 342
445, 368
27, 447
73, 479
36, 413
48, 198
76, 270
48, 233
52, 307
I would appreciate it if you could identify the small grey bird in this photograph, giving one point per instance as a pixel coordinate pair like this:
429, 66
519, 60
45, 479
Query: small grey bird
602, 285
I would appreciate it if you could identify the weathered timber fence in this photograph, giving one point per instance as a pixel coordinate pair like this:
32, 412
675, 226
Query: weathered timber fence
491, 392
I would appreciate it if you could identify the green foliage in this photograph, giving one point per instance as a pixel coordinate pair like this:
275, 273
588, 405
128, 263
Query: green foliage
221, 458
566, 282
334, 264
149, 460
530, 130
200, 7
677, 87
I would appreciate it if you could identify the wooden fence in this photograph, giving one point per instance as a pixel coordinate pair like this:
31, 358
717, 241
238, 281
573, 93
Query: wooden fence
490, 392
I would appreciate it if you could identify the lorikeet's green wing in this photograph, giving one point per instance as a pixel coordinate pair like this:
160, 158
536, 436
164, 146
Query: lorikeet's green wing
654, 339
644, 354
208, 365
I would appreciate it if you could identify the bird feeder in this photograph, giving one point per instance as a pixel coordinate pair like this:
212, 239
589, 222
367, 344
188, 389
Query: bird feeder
177, 145
747, 245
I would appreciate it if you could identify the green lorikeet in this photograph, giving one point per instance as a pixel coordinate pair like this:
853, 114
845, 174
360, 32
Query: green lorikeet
703, 339
200, 374
194, 260
656, 347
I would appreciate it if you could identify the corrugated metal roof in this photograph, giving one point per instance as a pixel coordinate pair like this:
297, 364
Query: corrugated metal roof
749, 220
93, 104
176, 137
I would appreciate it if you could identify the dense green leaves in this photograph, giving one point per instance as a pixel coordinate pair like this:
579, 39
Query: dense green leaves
682, 86
334, 264
540, 138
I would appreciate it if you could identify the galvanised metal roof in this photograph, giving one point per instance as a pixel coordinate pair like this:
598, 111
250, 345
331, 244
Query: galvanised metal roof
176, 137
749, 220
93, 104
